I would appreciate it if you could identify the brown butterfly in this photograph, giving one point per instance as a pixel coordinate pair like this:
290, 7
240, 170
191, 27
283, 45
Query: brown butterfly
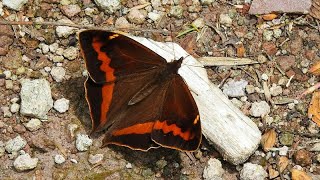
138, 98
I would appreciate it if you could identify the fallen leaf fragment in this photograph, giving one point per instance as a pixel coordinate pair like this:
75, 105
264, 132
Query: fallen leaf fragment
299, 175
240, 50
283, 163
315, 69
313, 111
268, 139
269, 17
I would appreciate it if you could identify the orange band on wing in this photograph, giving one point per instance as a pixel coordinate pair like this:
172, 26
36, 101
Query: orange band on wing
176, 131
135, 129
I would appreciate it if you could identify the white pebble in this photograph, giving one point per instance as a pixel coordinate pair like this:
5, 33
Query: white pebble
59, 159
83, 142
61, 105
33, 125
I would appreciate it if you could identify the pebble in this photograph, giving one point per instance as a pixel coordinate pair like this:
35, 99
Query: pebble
267, 35
33, 125
20, 70
95, 159
262, 59
137, 16
277, 33
65, 31
250, 89
14, 4
36, 99
213, 170
275, 90
14, 107
129, 166
2, 151
110, 6
264, 77
259, 109
44, 48
235, 88
57, 59
286, 139
7, 73
199, 23
154, 16
72, 128
61, 105
16, 144
71, 53
122, 22
253, 172
74, 161
25, 162
83, 142
59, 159
58, 73
6, 112
53, 47
9, 84
176, 11
302, 157
313, 127
71, 10
207, 2
283, 150
237, 102
161, 163
315, 147
226, 20
286, 62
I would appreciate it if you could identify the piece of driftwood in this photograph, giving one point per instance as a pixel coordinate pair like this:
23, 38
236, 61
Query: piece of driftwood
225, 61
232, 133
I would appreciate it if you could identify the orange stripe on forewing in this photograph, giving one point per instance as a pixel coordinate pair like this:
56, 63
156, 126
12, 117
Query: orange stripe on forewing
107, 90
102, 56
176, 131
135, 129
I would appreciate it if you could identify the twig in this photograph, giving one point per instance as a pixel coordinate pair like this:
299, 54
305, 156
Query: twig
288, 83
32, 23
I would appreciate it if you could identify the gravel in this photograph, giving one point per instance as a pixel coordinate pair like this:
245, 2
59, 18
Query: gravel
61, 105
16, 144
253, 172
259, 109
59, 159
33, 125
25, 162
213, 170
83, 142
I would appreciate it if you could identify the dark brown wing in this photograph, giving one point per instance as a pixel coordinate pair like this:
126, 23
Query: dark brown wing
110, 56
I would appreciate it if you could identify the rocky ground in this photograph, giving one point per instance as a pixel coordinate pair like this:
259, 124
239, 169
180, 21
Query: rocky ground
44, 120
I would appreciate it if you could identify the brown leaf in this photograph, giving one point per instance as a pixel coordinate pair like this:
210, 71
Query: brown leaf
283, 163
269, 17
268, 139
315, 69
299, 175
240, 50
313, 111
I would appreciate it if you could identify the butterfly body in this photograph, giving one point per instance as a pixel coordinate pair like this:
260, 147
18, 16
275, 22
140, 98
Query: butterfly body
135, 96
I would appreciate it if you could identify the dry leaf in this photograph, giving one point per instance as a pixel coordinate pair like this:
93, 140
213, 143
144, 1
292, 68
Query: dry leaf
269, 17
240, 50
299, 175
313, 111
283, 163
268, 139
315, 69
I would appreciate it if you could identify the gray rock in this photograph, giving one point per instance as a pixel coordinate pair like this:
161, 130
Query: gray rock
25, 162
259, 109
44, 47
94, 159
283, 151
6, 112
129, 166
14, 107
315, 147
61, 105
83, 142
176, 11
207, 2
283, 6
110, 6
213, 170
154, 16
235, 88
14, 4
250, 89
253, 172
16, 144
137, 16
264, 77
58, 73
71, 10
267, 35
59, 159
71, 53
199, 23
9, 84
226, 20
65, 31
58, 58
33, 124
275, 90
122, 22
36, 99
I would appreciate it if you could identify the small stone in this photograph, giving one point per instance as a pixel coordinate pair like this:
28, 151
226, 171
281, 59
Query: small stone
154, 16
264, 77
129, 166
110, 6
213, 170
283, 151
71, 53
83, 142
14, 107
267, 35
72, 128
95, 159
71, 10
226, 20
277, 33
236, 102
20, 70
259, 109
161, 163
16, 144
313, 127
262, 59
207, 2
14, 4
61, 105
44, 48
275, 90
302, 157
315, 147
74, 161
59, 159
1, 12
284, 6
33, 125
7, 74
137, 16
58, 73
89, 11
53, 47
199, 23
57, 59
2, 151
65, 31
9, 84
286, 62
270, 48
252, 172
36, 99
122, 22
250, 89
176, 11
286, 139
25, 162
291, 106
6, 112
235, 88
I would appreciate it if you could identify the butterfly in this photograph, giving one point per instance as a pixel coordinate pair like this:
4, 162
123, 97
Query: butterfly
136, 97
